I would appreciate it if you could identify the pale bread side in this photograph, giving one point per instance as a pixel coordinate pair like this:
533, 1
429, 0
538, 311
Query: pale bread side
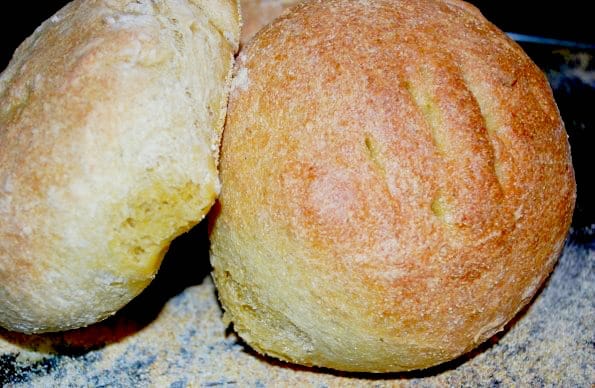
110, 120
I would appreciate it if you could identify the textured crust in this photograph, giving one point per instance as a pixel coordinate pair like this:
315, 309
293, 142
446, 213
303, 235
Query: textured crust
397, 184
110, 120
258, 13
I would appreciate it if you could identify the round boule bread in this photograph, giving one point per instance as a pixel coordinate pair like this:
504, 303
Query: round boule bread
396, 185
110, 120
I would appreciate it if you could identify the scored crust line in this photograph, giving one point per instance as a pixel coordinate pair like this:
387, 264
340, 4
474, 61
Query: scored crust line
490, 129
431, 116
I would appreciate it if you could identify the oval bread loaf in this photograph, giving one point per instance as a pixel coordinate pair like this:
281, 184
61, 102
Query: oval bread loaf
397, 184
110, 120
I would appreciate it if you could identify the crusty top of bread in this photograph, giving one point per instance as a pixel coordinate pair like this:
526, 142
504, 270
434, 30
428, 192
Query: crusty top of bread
397, 184
258, 13
110, 120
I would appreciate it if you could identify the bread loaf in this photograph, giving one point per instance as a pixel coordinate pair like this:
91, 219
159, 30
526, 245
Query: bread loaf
110, 120
397, 184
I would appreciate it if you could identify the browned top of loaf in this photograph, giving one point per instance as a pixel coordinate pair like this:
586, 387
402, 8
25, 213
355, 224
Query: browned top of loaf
258, 13
422, 123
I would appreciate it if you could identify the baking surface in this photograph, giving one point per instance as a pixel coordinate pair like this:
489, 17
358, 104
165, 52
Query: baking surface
173, 335
186, 344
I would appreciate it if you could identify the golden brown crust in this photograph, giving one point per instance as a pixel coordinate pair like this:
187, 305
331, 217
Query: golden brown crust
110, 119
397, 184
258, 13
